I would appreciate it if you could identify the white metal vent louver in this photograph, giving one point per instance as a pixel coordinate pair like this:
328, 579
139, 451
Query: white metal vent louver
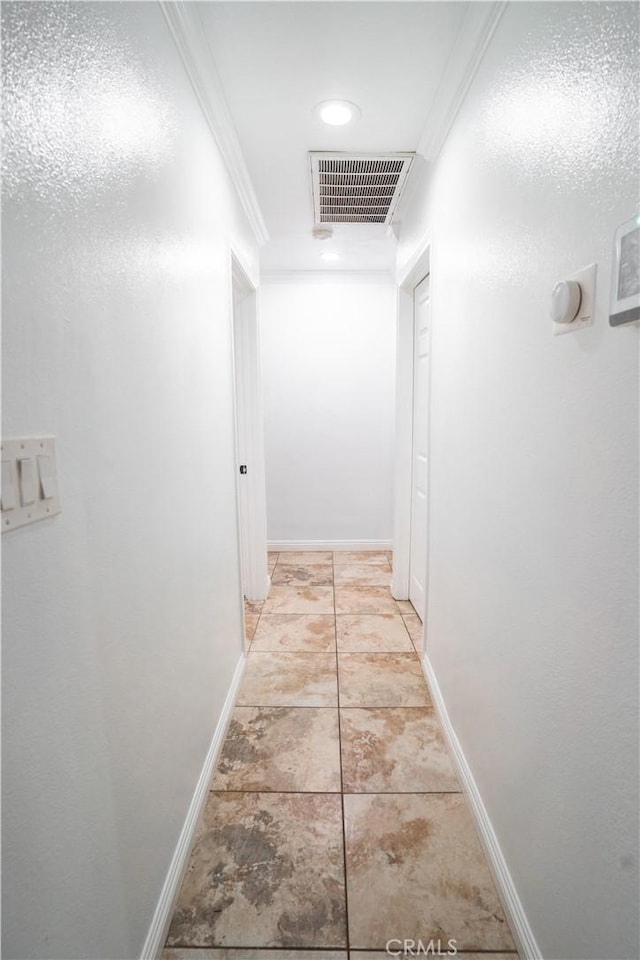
350, 188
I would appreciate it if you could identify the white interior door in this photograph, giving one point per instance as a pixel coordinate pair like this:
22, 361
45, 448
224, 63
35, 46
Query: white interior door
242, 420
420, 459
252, 507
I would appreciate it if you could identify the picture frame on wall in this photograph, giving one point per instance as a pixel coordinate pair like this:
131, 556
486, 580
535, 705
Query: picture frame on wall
625, 275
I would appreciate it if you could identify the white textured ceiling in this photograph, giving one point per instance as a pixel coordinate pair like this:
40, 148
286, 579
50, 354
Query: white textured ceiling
276, 61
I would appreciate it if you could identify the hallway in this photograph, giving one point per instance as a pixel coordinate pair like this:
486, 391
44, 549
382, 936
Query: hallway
334, 738
346, 281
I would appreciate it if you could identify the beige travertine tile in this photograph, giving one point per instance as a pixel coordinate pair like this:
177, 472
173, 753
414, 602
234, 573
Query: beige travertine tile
424, 844
385, 750
423, 955
382, 633
349, 557
381, 680
367, 574
292, 599
273, 554
215, 953
394, 749
296, 631
289, 680
281, 748
413, 624
305, 557
311, 575
266, 871
364, 599
406, 607
250, 624
250, 607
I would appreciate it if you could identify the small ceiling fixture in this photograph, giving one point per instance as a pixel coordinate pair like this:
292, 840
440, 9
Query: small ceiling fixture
322, 233
337, 112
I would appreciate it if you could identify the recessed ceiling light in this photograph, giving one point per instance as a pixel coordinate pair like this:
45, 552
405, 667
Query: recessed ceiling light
337, 112
329, 256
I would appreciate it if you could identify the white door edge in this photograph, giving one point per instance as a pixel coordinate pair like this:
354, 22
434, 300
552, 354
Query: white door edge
250, 487
419, 538
420, 266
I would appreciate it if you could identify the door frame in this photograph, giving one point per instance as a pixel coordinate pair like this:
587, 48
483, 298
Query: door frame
251, 498
416, 269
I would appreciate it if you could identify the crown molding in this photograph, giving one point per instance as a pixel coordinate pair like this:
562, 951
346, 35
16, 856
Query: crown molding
476, 30
189, 37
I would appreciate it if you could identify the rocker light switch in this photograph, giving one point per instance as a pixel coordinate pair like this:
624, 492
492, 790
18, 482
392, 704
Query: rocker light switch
48, 480
28, 486
29, 481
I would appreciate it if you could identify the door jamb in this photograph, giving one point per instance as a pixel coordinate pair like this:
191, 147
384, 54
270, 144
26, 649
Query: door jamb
408, 279
254, 539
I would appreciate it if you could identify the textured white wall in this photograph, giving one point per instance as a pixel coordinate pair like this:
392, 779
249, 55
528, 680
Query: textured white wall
533, 591
122, 616
328, 353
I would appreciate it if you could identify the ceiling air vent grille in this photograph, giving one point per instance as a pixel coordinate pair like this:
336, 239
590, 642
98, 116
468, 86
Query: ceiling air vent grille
357, 189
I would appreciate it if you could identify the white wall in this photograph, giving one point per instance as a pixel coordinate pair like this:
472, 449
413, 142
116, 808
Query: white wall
533, 590
328, 353
122, 616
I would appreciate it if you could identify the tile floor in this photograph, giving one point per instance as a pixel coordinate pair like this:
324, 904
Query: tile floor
334, 821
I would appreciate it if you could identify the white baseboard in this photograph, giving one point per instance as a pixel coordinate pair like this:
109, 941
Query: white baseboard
159, 928
299, 545
516, 917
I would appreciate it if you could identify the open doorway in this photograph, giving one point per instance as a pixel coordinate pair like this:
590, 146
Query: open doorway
252, 509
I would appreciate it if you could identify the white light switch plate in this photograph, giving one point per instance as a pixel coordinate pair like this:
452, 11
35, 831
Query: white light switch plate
587, 280
30, 481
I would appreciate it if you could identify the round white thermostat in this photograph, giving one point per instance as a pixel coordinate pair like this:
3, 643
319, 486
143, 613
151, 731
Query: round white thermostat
565, 301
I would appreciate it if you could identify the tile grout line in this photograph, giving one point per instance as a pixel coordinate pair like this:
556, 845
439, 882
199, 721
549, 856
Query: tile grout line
323, 706
325, 652
364, 950
344, 829
256, 626
404, 620
348, 793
